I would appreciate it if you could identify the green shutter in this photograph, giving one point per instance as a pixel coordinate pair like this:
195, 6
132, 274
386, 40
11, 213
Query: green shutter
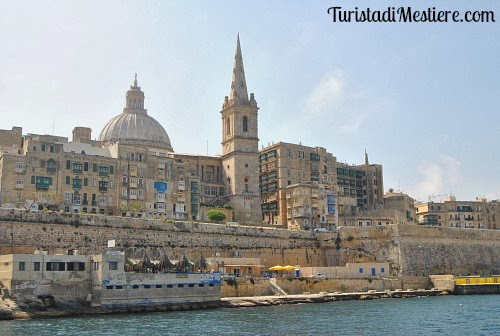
111, 169
85, 181
68, 180
94, 167
68, 164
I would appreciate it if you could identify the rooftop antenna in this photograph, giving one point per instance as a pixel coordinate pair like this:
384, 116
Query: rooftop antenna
53, 122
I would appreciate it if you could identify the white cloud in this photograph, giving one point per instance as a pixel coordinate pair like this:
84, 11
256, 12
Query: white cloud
438, 178
328, 93
336, 103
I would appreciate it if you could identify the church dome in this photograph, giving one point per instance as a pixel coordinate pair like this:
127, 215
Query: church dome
134, 126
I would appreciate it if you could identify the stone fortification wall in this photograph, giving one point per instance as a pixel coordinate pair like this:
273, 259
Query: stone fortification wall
410, 250
24, 232
414, 250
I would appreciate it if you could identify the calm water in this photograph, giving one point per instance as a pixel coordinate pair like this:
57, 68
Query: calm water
449, 315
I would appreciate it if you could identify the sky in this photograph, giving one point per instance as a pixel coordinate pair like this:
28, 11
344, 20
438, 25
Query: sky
423, 99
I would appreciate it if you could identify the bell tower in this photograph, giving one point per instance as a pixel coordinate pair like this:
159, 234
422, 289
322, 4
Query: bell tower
240, 147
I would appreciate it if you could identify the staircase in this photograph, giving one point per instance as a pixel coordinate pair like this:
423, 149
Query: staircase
275, 288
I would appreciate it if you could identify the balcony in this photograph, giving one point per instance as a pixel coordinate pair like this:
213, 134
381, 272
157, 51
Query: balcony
77, 168
20, 169
43, 182
19, 185
103, 171
103, 188
77, 183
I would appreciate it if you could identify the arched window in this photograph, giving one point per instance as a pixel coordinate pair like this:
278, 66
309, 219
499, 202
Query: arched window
135, 103
228, 126
246, 188
245, 124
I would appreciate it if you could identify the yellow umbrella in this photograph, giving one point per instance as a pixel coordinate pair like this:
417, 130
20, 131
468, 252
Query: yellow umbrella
276, 268
288, 268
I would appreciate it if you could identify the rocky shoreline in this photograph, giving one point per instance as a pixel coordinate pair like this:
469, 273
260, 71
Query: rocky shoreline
11, 310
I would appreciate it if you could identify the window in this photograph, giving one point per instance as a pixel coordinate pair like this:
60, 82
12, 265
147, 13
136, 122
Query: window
43, 147
85, 181
19, 181
103, 170
68, 164
94, 167
33, 179
55, 266
19, 165
382, 270
361, 270
111, 169
75, 266
85, 166
36, 266
113, 265
77, 167
22, 266
77, 183
52, 149
245, 124
51, 165
103, 186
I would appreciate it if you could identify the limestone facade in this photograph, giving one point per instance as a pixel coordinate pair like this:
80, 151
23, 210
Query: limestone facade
479, 214
353, 188
132, 170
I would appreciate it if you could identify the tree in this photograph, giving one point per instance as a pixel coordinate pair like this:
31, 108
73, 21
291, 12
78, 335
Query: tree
216, 215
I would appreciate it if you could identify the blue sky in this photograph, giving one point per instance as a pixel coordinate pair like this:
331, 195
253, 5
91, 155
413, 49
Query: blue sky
422, 98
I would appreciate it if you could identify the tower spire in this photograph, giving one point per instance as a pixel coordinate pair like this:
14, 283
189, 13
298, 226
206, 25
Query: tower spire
239, 83
135, 79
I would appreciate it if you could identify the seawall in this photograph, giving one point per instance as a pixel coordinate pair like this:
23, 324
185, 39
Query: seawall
411, 250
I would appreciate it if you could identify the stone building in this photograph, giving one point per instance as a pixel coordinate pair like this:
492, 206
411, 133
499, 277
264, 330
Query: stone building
479, 214
354, 187
132, 169
310, 206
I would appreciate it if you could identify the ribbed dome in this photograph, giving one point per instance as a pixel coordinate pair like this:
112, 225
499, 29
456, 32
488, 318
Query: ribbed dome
134, 126
136, 129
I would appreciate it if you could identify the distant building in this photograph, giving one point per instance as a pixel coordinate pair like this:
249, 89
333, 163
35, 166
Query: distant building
479, 214
352, 188
132, 169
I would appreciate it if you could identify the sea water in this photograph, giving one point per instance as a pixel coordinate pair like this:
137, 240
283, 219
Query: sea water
443, 315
